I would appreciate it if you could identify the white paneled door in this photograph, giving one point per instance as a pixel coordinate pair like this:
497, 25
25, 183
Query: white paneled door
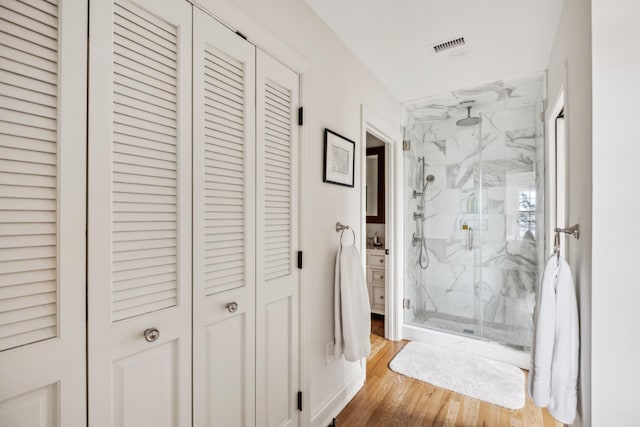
42, 212
224, 225
277, 278
139, 289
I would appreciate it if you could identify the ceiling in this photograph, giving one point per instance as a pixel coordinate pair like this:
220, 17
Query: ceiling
505, 39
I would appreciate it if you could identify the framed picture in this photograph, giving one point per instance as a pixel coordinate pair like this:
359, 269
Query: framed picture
339, 159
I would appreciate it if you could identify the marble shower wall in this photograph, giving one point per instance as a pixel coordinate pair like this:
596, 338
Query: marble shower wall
489, 177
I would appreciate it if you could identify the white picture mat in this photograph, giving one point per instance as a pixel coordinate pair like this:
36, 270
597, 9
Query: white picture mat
340, 154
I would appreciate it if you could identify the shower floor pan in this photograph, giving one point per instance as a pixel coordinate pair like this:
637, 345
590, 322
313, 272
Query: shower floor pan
516, 337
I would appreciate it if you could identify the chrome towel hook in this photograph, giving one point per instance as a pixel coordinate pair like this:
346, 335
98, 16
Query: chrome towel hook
574, 231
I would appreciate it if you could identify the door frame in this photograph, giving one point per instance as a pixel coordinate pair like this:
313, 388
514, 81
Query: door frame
377, 126
556, 168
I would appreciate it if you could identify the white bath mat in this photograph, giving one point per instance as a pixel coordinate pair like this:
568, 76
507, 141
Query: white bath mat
494, 382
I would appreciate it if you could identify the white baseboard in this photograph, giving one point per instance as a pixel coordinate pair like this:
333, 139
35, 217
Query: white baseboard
325, 415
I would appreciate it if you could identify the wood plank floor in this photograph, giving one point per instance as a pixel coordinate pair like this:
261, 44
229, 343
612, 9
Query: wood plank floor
391, 399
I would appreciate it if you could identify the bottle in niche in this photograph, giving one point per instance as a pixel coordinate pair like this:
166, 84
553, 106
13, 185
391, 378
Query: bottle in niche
471, 203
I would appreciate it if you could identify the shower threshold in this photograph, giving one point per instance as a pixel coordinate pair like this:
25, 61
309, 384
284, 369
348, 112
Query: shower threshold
517, 337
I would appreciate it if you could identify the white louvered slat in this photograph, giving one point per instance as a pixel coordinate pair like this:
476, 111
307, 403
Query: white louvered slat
145, 168
277, 181
224, 164
28, 181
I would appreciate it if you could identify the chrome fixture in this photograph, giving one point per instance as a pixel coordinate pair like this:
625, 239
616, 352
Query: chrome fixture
469, 121
418, 217
342, 228
574, 231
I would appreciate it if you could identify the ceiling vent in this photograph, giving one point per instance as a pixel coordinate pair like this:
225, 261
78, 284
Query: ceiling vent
449, 44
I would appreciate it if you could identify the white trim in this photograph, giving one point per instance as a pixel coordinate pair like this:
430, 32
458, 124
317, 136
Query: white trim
491, 350
305, 305
380, 128
555, 178
324, 416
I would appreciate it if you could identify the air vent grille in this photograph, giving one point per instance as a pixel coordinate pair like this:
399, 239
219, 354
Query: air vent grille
449, 44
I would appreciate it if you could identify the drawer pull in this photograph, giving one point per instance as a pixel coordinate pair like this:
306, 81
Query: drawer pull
381, 260
381, 296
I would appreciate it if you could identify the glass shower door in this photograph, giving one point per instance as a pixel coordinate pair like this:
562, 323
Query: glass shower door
512, 182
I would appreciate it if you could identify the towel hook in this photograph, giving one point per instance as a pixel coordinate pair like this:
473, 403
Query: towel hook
342, 228
574, 231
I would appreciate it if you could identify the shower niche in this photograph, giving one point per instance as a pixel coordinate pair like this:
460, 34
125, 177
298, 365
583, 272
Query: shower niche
477, 221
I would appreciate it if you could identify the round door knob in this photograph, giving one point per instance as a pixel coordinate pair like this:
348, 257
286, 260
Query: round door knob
232, 307
151, 334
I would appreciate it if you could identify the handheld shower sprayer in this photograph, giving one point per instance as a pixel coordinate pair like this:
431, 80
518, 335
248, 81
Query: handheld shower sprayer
419, 217
428, 180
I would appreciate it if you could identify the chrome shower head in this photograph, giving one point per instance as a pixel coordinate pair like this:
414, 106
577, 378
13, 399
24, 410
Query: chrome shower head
469, 121
430, 178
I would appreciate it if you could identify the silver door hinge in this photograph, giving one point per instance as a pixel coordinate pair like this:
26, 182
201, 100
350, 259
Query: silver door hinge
406, 303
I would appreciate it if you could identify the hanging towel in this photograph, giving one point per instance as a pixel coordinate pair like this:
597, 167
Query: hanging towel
553, 377
352, 312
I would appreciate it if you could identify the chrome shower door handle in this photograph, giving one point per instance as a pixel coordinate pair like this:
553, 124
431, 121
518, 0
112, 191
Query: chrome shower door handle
470, 239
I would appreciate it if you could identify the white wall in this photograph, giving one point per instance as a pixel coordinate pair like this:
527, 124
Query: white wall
616, 236
570, 67
338, 85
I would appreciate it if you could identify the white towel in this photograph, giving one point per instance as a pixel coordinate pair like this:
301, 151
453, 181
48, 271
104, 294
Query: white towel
352, 312
553, 377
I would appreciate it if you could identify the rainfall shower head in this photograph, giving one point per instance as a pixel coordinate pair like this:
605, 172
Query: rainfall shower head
469, 121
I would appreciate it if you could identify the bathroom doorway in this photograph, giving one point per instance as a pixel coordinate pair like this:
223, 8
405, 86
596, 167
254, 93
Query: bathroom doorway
380, 225
376, 229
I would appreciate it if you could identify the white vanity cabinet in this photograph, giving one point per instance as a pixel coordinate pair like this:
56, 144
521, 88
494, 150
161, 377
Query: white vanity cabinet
376, 273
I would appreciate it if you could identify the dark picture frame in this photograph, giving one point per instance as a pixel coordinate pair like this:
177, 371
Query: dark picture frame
339, 159
379, 218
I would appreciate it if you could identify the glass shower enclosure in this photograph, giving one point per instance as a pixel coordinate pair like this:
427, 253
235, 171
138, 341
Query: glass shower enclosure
474, 211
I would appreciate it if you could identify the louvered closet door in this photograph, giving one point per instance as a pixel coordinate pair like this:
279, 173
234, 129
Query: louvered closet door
140, 213
42, 215
224, 225
277, 242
